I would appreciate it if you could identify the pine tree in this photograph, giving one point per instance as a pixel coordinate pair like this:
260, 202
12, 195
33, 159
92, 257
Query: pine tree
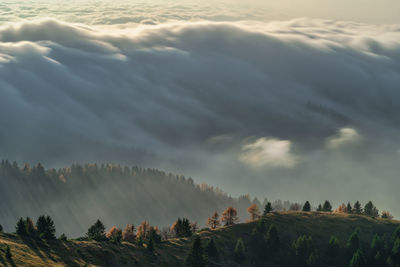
319, 207
378, 251
371, 210
349, 208
30, 227
333, 249
21, 228
63, 237
196, 257
395, 253
327, 206
357, 208
45, 227
150, 245
97, 231
267, 209
304, 250
211, 252
353, 243
8, 252
358, 259
239, 252
272, 240
307, 206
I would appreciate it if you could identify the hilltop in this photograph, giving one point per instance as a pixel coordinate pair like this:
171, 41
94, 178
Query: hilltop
290, 225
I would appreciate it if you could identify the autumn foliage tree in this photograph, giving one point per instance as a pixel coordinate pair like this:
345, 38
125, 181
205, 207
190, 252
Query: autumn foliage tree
229, 216
143, 230
129, 233
254, 212
341, 209
213, 221
114, 234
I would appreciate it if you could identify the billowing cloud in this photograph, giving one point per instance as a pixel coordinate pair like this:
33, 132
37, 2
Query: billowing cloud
159, 95
268, 152
345, 136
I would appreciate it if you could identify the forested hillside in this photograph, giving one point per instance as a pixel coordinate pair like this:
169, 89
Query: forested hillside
78, 195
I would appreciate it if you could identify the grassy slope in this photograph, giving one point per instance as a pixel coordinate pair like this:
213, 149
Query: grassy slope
290, 225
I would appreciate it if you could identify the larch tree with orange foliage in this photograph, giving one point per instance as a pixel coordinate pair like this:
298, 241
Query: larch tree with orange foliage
114, 234
129, 233
143, 230
213, 221
254, 212
341, 209
229, 216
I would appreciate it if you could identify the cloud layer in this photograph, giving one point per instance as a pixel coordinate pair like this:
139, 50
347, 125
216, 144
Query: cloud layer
188, 96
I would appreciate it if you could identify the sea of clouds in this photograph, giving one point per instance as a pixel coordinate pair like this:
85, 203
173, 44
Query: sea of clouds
293, 109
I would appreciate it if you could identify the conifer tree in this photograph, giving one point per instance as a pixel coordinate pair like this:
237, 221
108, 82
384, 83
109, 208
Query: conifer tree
229, 216
357, 208
395, 253
358, 259
150, 245
304, 250
239, 252
211, 253
21, 228
349, 208
319, 207
254, 212
327, 206
8, 252
333, 250
353, 243
268, 208
97, 231
45, 227
1, 228
371, 210
378, 255
213, 221
307, 206
30, 227
196, 256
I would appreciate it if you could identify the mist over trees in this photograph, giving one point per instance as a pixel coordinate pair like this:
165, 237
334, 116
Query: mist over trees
80, 194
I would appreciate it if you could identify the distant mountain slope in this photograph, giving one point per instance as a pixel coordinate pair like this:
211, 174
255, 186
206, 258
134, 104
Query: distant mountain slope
77, 196
290, 225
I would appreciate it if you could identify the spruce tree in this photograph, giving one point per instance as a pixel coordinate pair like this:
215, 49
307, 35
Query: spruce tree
304, 250
395, 253
150, 245
196, 257
358, 259
378, 254
20, 228
319, 207
349, 208
307, 206
353, 243
97, 231
371, 210
45, 227
268, 208
333, 249
211, 253
327, 206
272, 239
8, 252
357, 208
239, 251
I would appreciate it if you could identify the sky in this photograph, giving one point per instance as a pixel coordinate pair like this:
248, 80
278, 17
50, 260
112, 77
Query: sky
295, 100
